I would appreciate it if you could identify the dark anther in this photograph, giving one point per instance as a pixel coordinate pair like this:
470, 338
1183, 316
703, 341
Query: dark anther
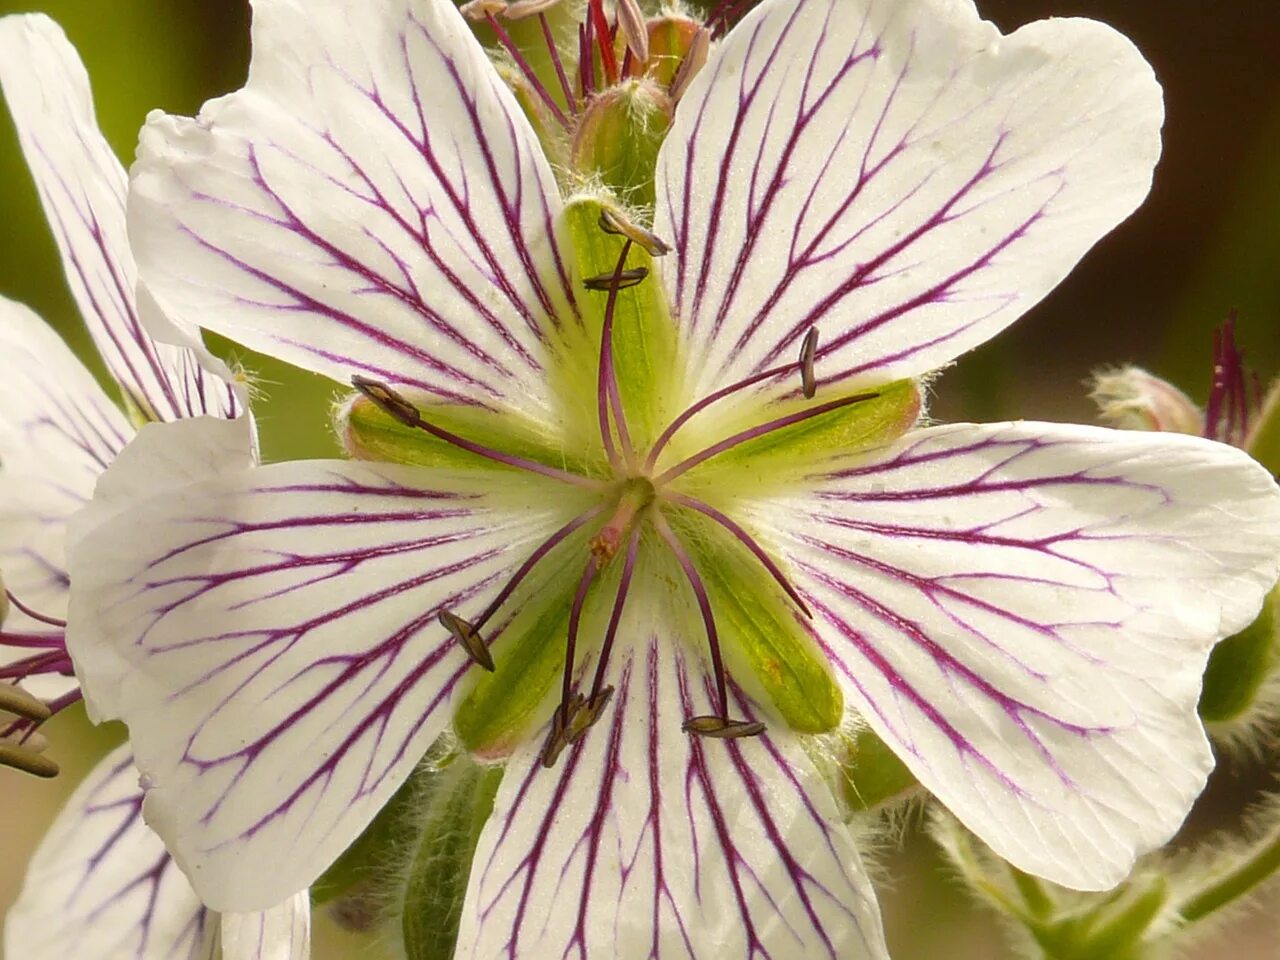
17, 701
807, 351
562, 722
609, 281
613, 222
586, 717
390, 401
27, 760
723, 728
468, 638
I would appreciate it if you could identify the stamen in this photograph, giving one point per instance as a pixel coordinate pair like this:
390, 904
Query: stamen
553, 49
570, 703
43, 618
480, 10
711, 398
586, 60
17, 701
520, 9
543, 93
634, 29
409, 415
468, 638
598, 689
808, 349
504, 594
703, 724
612, 221
595, 11
27, 760
765, 428
694, 60
746, 540
618, 280
607, 393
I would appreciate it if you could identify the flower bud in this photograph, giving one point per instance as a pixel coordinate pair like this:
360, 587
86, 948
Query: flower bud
670, 40
619, 136
1263, 441
1133, 399
1239, 668
873, 776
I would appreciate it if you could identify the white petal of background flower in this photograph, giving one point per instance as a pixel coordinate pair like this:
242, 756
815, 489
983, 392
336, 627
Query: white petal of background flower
58, 432
281, 933
297, 601
1023, 612
82, 189
647, 842
102, 886
373, 202
896, 173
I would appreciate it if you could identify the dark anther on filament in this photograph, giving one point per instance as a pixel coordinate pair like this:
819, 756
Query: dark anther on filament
468, 638
722, 728
15, 700
388, 400
620, 280
611, 221
562, 721
807, 351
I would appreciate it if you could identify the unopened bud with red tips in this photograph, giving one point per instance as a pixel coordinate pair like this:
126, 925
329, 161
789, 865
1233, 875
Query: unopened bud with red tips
1133, 399
619, 136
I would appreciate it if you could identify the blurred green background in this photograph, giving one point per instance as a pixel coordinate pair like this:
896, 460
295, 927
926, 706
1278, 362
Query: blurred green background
1208, 240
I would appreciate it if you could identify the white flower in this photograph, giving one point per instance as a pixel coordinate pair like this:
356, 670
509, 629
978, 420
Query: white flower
1022, 611
101, 881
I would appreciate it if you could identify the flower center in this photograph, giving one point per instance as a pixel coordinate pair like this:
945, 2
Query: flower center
634, 504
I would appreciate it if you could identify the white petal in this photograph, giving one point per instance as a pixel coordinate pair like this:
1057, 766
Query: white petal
82, 188
58, 432
897, 174
1023, 612
281, 933
270, 637
373, 202
646, 842
101, 877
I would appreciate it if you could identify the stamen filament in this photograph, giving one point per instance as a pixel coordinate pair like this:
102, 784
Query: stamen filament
543, 93
586, 59
692, 411
745, 539
765, 428
607, 392
43, 618
542, 550
33, 641
556, 62
571, 645
704, 605
397, 406
615, 618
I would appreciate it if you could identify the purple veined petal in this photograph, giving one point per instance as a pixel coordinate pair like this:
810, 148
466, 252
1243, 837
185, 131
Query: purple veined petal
58, 432
373, 202
101, 877
281, 933
644, 841
272, 642
898, 175
82, 188
1023, 613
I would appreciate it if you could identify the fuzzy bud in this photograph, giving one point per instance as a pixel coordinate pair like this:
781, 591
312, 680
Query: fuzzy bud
1130, 398
619, 137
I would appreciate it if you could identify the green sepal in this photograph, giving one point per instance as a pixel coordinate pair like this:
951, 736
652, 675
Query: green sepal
1117, 928
1239, 667
366, 860
367, 432
646, 355
786, 455
758, 627
619, 136
138, 415
457, 805
498, 710
872, 775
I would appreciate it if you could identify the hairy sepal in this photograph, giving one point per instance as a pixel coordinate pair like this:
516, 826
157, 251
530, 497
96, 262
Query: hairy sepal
1240, 666
761, 629
456, 806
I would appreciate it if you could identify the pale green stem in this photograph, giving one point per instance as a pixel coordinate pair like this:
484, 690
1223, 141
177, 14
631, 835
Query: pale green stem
1258, 867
